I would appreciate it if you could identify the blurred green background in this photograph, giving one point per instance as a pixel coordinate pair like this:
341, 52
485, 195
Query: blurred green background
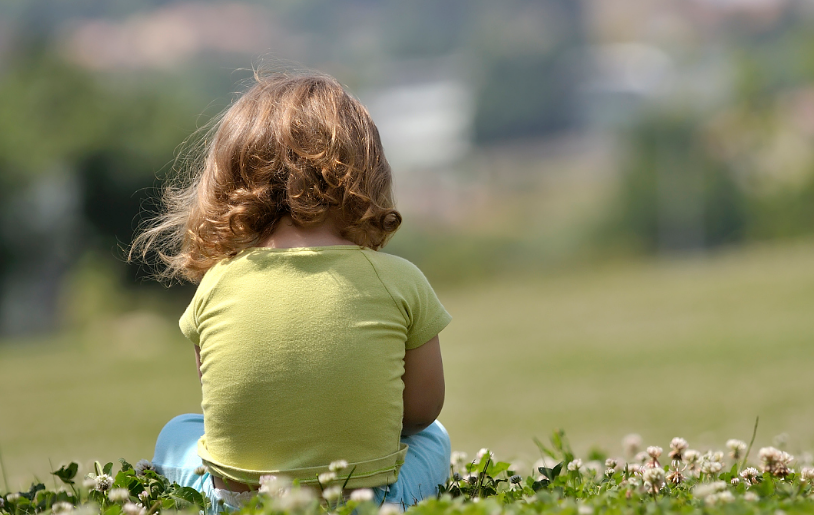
615, 201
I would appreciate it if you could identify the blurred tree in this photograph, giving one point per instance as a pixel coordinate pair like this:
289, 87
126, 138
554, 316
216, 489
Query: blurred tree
77, 155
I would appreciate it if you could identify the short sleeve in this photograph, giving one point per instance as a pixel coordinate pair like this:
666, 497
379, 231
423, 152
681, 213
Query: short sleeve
428, 317
188, 325
410, 289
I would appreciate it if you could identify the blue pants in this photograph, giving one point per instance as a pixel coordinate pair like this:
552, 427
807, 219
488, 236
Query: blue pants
425, 466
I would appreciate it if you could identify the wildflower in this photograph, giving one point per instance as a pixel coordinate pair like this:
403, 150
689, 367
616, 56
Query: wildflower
610, 463
653, 479
677, 447
807, 475
326, 477
102, 483
294, 499
751, 497
575, 465
332, 493
89, 482
133, 509
119, 495
143, 466
515, 479
692, 456
484, 452
13, 497
201, 470
273, 485
610, 472
654, 451
641, 457
735, 481
675, 475
457, 459
144, 496
634, 468
751, 475
393, 509
61, 507
736, 448
338, 466
709, 466
775, 461
632, 443
721, 497
361, 495
704, 490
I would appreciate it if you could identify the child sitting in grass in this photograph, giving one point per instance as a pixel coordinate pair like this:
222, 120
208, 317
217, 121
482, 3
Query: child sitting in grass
312, 346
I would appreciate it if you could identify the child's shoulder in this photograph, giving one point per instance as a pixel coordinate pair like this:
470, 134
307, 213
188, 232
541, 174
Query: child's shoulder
394, 267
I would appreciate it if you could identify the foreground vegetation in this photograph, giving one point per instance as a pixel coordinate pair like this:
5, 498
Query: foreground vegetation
689, 481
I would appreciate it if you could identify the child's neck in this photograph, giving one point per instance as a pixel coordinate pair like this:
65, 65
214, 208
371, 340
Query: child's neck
287, 235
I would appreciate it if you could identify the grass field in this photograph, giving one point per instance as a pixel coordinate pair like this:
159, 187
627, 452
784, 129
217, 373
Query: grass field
694, 347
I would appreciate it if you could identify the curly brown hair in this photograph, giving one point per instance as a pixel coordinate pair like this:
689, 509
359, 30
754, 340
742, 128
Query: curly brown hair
293, 145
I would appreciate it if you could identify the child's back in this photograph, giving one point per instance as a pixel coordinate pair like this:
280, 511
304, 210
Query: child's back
312, 346
302, 354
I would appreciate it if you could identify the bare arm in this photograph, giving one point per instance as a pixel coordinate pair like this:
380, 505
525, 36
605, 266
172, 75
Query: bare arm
198, 360
423, 386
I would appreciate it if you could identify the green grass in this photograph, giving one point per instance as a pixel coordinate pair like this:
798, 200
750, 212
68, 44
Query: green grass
693, 347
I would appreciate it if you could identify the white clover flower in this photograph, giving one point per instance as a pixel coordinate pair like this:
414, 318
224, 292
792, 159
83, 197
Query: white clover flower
609, 472
332, 493
458, 458
575, 465
735, 481
200, 470
89, 481
654, 451
653, 479
775, 461
807, 475
483, 452
751, 497
704, 490
13, 497
716, 456
675, 475
326, 477
677, 447
61, 507
294, 499
142, 466
634, 468
710, 467
273, 485
751, 475
610, 463
631, 443
144, 496
133, 509
692, 456
736, 448
641, 457
584, 509
393, 509
103, 483
361, 495
595, 467
721, 497
338, 465
119, 495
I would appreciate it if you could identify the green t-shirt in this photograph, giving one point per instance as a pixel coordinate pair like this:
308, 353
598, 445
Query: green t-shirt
302, 353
